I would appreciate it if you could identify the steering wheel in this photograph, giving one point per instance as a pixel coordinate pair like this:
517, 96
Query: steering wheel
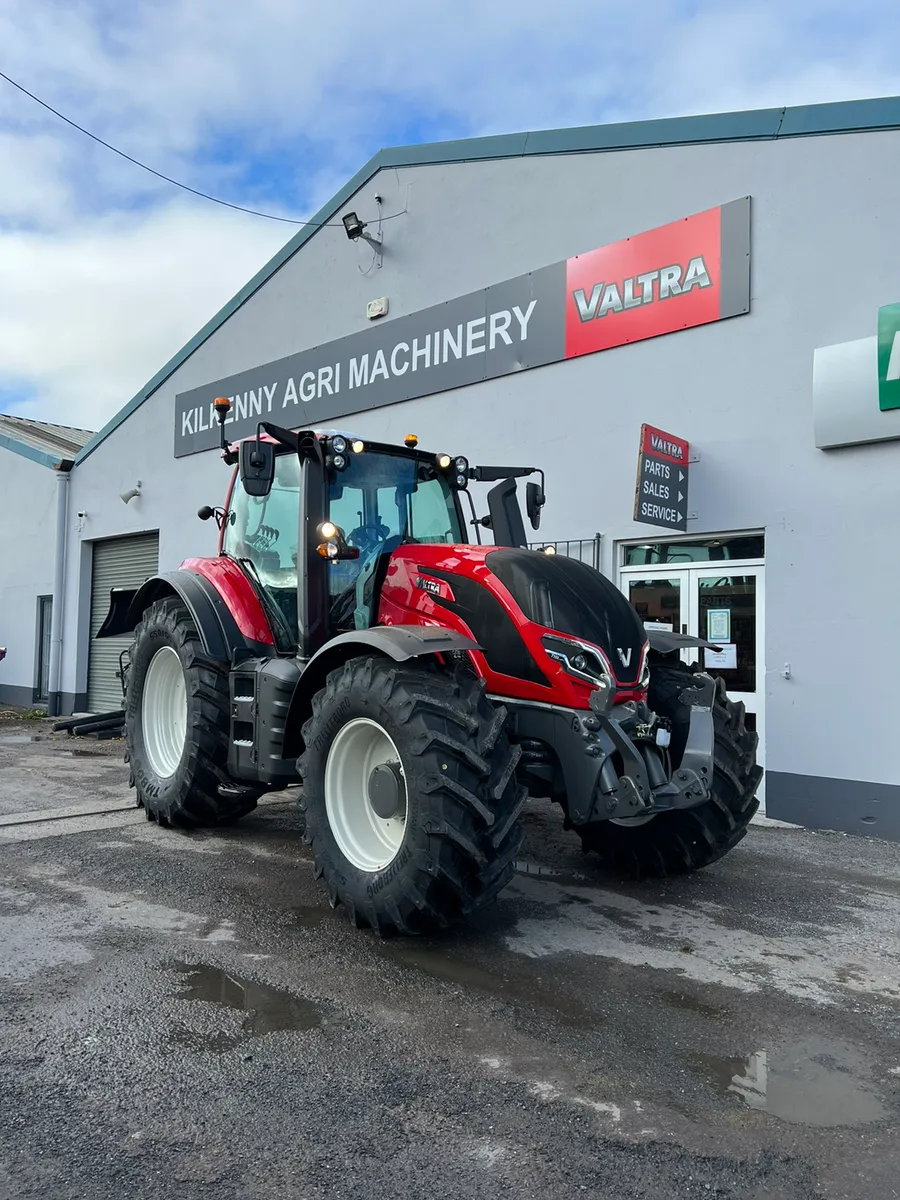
368, 538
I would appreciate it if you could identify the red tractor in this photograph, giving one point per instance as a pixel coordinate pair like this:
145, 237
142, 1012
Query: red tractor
350, 639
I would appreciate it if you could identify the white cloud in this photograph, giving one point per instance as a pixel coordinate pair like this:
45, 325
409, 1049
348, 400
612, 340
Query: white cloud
94, 298
86, 318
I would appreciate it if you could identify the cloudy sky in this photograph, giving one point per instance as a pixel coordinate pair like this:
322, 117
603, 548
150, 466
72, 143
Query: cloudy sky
105, 272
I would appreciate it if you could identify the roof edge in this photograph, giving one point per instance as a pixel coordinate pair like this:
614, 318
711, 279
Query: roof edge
37, 456
809, 120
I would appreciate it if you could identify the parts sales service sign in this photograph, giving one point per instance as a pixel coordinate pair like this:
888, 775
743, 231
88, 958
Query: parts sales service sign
688, 273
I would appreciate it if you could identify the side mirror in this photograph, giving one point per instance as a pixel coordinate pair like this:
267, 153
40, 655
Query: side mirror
257, 467
534, 502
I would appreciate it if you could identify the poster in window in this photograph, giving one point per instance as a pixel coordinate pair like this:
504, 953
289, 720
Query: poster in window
718, 625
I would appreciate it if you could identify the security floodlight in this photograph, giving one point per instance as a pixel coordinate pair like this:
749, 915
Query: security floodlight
353, 225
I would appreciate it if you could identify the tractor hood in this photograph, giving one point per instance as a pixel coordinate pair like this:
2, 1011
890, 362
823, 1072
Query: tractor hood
573, 599
510, 600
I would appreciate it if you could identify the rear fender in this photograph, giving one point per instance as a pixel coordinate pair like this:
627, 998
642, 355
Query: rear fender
399, 642
220, 636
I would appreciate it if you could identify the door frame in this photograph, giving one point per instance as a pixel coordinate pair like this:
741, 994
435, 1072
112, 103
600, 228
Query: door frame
689, 574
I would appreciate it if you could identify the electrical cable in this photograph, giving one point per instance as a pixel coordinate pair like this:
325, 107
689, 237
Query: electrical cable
167, 178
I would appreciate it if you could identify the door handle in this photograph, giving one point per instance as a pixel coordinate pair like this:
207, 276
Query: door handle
683, 627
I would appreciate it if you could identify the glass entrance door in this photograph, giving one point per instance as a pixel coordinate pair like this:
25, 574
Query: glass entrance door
721, 603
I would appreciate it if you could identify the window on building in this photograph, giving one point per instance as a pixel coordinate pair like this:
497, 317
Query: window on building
651, 554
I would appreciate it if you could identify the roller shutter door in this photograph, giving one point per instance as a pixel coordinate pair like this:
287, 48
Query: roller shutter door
119, 562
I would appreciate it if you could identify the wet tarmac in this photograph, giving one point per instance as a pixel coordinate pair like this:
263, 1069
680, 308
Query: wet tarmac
185, 1016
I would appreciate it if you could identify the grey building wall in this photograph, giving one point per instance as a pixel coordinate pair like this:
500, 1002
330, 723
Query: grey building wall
27, 528
823, 259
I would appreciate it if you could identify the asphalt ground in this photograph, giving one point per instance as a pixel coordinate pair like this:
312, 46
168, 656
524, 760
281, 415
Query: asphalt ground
185, 1016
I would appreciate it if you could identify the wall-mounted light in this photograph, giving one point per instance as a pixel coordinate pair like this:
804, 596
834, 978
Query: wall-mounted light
131, 494
356, 229
353, 225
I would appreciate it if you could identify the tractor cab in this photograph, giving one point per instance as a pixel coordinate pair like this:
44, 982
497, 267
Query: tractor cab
360, 501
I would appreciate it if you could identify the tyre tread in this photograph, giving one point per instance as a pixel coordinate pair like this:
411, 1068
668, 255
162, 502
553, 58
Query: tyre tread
196, 800
468, 798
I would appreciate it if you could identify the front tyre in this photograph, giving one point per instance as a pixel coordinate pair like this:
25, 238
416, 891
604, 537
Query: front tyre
177, 723
687, 839
409, 795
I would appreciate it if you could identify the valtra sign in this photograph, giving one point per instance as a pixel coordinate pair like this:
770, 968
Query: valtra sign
684, 274
661, 495
657, 282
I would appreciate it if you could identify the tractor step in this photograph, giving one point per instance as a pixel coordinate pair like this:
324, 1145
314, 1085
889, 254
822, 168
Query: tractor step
234, 791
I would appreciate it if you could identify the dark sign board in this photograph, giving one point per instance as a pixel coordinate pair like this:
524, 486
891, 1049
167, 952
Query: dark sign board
661, 496
687, 273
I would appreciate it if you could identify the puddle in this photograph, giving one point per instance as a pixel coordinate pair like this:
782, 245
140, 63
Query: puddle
532, 992
268, 1009
551, 874
16, 739
692, 1004
814, 1082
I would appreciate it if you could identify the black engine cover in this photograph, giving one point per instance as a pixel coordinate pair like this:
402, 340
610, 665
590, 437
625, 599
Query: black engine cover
572, 598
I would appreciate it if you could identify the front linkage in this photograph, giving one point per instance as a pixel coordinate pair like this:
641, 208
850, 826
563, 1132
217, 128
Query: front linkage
615, 760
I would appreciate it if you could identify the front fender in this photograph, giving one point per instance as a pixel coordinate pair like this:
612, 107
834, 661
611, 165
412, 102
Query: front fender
665, 642
399, 642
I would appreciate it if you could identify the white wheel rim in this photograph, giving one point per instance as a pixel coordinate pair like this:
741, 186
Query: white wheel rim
164, 712
368, 841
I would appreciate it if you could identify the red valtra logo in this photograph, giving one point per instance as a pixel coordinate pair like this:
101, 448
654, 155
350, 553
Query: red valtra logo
663, 445
653, 283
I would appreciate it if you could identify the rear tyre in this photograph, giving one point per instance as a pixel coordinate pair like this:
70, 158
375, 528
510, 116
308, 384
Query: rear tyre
177, 723
687, 839
409, 796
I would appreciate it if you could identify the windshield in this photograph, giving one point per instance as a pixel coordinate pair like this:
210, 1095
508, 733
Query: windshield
381, 496
262, 531
381, 501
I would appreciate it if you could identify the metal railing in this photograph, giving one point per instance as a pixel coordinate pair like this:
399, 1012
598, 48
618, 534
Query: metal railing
586, 550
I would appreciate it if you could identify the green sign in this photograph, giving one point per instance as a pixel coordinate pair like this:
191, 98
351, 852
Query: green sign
889, 356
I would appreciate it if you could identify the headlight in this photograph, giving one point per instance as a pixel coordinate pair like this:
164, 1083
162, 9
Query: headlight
443, 461
462, 465
461, 481
357, 447
338, 461
339, 445
584, 662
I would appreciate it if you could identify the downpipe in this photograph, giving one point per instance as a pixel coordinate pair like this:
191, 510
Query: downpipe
59, 576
